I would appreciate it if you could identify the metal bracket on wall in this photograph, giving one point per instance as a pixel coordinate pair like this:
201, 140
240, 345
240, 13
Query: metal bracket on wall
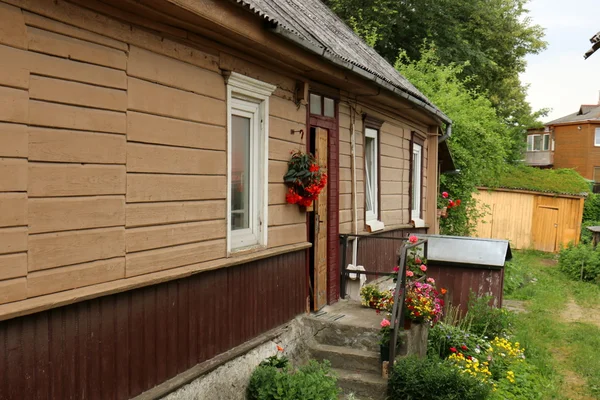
300, 131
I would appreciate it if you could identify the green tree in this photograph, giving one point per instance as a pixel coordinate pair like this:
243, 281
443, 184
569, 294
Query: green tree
489, 38
480, 137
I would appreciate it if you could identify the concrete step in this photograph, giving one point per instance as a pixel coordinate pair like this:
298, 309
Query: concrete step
337, 334
346, 357
364, 385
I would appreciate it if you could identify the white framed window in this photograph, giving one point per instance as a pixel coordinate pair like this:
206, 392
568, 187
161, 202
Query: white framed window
371, 172
247, 161
538, 142
417, 166
597, 137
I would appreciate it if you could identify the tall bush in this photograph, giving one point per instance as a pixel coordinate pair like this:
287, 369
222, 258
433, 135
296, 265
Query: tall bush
581, 262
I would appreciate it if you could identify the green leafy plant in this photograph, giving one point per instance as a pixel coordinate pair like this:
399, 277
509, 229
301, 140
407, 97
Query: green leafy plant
581, 262
313, 381
487, 320
445, 339
305, 178
433, 379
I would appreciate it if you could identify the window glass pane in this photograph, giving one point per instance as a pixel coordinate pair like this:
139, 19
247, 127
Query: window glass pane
416, 181
546, 142
597, 140
240, 172
596, 174
537, 142
369, 175
529, 142
329, 107
315, 104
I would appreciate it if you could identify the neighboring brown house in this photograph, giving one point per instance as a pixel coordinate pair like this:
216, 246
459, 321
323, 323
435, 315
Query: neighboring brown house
576, 140
143, 221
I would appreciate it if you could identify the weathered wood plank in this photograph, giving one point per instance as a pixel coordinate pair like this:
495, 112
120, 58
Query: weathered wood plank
162, 100
150, 128
49, 250
13, 240
154, 237
75, 93
55, 115
75, 276
145, 214
162, 159
61, 214
13, 140
46, 180
155, 187
286, 109
281, 150
277, 192
282, 129
67, 47
171, 257
13, 266
13, 31
155, 67
57, 67
51, 25
277, 169
13, 290
13, 175
14, 69
14, 105
287, 234
13, 209
76, 146
286, 214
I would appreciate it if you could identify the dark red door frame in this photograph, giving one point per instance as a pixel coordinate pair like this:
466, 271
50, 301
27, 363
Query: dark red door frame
333, 182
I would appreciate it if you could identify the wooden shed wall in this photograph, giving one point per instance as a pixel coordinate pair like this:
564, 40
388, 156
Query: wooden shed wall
394, 167
112, 146
515, 216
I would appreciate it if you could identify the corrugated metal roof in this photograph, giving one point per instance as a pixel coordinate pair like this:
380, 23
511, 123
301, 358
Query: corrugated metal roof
315, 24
586, 112
462, 250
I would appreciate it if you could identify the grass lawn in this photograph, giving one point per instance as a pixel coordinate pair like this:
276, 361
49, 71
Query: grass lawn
561, 330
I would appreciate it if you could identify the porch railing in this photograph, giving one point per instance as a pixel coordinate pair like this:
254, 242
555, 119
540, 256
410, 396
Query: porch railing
400, 291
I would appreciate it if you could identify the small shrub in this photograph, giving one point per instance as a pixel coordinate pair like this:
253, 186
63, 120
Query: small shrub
313, 381
586, 234
591, 208
581, 262
522, 381
430, 379
444, 337
516, 275
486, 320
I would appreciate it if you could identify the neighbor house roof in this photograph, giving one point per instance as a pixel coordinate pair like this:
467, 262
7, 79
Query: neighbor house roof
312, 25
587, 112
595, 40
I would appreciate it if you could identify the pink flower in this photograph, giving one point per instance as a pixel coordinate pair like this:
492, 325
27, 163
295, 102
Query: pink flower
418, 260
396, 268
413, 239
423, 267
445, 195
385, 323
431, 280
409, 273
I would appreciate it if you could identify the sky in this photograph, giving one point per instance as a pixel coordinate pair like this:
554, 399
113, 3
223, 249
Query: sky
559, 77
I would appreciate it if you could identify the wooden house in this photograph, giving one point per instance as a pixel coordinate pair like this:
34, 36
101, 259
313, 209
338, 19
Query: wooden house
529, 219
143, 219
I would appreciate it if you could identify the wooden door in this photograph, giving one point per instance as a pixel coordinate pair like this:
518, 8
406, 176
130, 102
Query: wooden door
545, 228
320, 243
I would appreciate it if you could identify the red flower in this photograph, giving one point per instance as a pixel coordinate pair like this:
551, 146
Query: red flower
453, 349
450, 204
445, 195
457, 202
444, 291
413, 239
305, 202
464, 347
313, 168
418, 260
396, 268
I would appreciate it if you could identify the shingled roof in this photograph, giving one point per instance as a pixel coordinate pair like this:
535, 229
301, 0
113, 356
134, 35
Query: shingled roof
587, 112
313, 26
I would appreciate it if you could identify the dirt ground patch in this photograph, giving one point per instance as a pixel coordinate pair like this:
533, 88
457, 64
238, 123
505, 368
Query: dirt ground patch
549, 262
574, 386
573, 312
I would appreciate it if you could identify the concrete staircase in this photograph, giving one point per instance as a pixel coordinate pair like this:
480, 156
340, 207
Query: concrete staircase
348, 337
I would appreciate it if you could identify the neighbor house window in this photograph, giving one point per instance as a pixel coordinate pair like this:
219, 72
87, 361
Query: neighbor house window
321, 105
247, 153
538, 142
597, 137
371, 174
417, 167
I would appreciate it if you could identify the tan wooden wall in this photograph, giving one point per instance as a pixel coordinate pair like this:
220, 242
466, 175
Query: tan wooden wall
112, 152
516, 216
394, 168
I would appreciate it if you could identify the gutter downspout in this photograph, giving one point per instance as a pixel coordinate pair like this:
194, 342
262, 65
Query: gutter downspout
447, 134
354, 194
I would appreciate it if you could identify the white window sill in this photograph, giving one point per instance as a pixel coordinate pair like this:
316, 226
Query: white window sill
374, 225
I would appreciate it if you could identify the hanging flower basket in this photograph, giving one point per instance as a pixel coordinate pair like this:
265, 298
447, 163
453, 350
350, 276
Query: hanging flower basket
305, 179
